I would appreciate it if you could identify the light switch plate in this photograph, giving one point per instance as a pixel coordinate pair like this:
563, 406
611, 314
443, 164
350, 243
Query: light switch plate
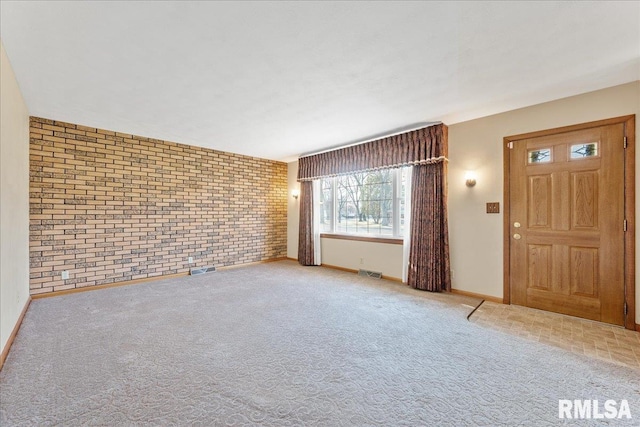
493, 207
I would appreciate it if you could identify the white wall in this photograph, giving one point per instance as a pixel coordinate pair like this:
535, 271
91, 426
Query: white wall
14, 200
476, 237
354, 255
293, 213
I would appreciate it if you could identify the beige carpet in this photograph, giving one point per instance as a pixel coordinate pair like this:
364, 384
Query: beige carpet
277, 345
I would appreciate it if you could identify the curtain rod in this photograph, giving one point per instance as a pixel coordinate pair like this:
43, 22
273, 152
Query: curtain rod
395, 132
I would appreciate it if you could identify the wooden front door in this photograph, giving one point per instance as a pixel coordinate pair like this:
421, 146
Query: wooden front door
567, 222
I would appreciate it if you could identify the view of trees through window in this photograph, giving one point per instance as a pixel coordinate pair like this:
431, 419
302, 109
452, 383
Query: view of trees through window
365, 203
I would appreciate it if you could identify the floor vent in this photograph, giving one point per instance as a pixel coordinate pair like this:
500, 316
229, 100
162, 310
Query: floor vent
201, 270
367, 273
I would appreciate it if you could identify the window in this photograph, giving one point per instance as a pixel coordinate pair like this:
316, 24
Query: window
580, 151
365, 203
540, 156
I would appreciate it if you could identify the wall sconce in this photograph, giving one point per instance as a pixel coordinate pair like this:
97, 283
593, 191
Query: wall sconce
470, 179
295, 194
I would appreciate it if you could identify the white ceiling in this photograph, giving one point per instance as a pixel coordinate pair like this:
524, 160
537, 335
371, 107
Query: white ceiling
279, 79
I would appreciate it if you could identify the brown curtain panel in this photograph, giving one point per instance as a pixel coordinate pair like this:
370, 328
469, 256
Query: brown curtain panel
422, 146
305, 235
429, 265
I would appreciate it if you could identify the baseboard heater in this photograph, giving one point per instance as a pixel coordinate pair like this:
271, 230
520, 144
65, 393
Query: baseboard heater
367, 273
200, 270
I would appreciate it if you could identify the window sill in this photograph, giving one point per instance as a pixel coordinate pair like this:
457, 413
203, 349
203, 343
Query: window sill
386, 240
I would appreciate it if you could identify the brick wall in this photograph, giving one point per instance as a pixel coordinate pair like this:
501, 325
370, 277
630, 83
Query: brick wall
111, 207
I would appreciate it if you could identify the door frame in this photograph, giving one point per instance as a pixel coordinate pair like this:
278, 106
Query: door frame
629, 206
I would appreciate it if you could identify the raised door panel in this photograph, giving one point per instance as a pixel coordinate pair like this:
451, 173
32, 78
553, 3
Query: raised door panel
539, 266
540, 201
584, 197
584, 271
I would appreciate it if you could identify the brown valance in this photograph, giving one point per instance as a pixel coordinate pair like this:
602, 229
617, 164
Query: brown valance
421, 146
